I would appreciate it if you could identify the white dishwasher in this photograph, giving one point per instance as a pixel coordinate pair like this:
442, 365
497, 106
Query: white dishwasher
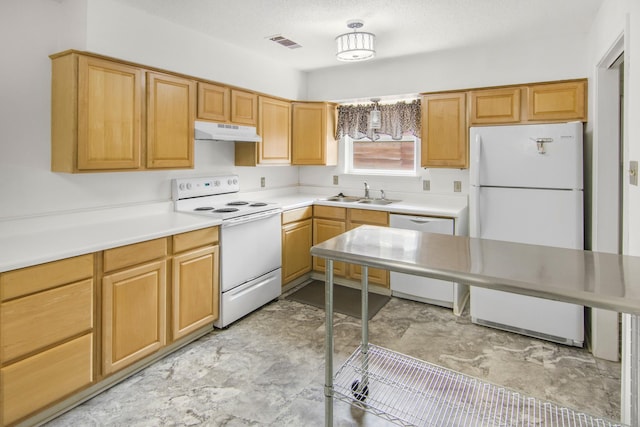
418, 288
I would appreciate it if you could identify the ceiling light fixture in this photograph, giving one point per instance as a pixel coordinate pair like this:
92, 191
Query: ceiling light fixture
355, 46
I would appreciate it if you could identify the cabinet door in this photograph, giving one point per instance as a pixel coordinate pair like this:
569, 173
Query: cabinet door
495, 106
214, 102
133, 314
170, 121
558, 101
275, 130
358, 217
195, 290
244, 108
296, 244
110, 97
444, 131
309, 122
325, 229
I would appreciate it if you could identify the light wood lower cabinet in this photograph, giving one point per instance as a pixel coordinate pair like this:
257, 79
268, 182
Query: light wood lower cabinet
42, 379
133, 314
297, 238
195, 290
356, 218
328, 222
46, 335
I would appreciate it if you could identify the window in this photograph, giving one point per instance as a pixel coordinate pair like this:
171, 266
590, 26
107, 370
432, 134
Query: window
384, 156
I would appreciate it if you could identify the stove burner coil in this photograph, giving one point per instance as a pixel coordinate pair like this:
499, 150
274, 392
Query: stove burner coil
204, 208
226, 210
257, 204
237, 203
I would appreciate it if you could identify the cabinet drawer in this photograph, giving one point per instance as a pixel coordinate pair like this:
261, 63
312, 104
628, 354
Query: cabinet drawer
329, 212
40, 380
299, 214
195, 239
365, 216
138, 253
37, 321
41, 277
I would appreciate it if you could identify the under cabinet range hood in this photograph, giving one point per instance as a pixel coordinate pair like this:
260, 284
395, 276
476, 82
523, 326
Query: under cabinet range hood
208, 131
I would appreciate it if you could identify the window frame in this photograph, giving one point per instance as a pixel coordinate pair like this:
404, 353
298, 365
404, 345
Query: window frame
348, 157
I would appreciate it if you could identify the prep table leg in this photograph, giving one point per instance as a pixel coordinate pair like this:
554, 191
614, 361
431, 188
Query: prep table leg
328, 344
361, 391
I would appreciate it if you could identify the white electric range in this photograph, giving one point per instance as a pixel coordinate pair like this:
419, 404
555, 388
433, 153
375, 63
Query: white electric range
250, 242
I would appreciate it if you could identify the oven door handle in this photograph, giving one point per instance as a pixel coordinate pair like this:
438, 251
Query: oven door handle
250, 218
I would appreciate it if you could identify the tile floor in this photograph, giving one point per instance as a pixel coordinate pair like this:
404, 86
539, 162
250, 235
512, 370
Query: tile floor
268, 370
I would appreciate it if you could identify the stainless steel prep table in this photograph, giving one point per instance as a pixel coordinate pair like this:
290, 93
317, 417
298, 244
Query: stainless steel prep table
411, 392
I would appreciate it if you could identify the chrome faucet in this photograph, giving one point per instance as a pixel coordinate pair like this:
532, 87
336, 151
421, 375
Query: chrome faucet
382, 196
366, 190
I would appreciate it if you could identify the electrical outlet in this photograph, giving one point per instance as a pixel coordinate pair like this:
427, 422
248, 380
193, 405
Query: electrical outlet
426, 185
263, 182
335, 179
457, 186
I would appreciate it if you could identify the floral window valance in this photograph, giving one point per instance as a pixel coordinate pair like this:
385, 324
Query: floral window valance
399, 118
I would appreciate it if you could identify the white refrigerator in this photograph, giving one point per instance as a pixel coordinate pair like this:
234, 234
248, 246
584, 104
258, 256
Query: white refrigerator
526, 186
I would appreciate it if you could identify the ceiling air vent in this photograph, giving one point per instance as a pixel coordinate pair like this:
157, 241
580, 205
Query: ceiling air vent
283, 41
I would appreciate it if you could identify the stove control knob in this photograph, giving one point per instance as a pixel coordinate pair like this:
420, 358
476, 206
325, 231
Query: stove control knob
235, 181
188, 186
229, 181
181, 186
216, 183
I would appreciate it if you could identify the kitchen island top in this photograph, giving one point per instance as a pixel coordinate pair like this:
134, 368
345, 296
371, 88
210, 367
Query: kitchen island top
587, 278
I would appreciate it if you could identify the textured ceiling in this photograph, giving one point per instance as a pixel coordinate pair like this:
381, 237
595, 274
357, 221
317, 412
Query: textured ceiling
402, 27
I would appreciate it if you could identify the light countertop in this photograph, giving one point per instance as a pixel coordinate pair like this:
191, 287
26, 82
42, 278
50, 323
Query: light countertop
35, 240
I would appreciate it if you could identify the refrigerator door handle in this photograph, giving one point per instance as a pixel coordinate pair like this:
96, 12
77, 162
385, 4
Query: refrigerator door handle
476, 149
474, 214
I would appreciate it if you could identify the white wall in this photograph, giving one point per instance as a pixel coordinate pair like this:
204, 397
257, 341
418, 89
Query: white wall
31, 31
123, 32
517, 61
536, 59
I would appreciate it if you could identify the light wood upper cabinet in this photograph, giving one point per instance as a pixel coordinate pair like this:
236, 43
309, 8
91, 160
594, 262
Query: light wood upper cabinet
170, 121
558, 101
493, 106
444, 130
214, 102
275, 129
313, 134
274, 126
244, 108
109, 116
96, 114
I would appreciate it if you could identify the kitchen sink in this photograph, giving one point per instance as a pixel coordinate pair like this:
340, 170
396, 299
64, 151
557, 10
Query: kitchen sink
377, 201
345, 199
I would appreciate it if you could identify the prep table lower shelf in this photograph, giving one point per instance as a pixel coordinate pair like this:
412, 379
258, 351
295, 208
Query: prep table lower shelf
410, 392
